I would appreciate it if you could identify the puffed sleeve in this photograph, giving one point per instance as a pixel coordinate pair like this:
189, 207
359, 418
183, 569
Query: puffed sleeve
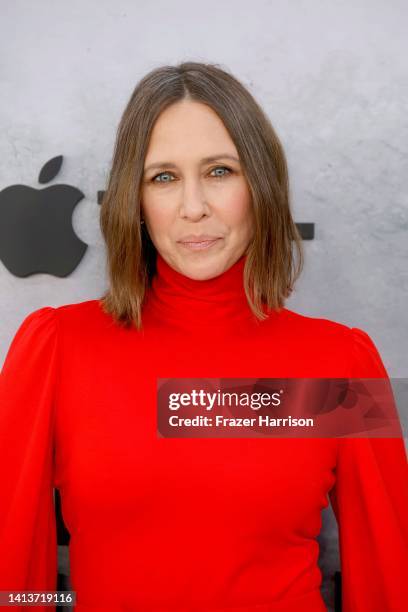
28, 546
370, 502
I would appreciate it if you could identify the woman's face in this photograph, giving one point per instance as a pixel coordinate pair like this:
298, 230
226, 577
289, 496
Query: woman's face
186, 196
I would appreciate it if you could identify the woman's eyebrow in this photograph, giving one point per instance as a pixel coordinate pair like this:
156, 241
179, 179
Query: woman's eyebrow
204, 160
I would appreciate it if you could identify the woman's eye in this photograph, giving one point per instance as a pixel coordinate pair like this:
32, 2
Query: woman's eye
218, 175
161, 174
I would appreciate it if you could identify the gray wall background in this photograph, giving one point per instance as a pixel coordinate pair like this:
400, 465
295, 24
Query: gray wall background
332, 77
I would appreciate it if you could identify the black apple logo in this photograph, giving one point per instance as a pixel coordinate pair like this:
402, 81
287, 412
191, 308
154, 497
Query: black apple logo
36, 233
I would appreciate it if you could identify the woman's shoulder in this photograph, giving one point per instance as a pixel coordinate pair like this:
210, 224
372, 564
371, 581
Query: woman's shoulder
82, 319
83, 309
313, 324
310, 325
76, 320
86, 309
334, 337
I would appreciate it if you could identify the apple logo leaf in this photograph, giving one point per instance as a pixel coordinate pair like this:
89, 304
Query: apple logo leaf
50, 169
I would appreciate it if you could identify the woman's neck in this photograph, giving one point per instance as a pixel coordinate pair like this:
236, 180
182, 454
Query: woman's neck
216, 304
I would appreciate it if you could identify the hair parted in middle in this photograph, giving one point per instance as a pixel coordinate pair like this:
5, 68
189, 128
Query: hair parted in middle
274, 259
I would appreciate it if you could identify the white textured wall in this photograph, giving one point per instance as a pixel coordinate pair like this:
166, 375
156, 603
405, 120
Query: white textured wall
333, 78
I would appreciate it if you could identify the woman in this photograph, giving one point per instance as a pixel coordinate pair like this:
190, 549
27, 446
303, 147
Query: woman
202, 252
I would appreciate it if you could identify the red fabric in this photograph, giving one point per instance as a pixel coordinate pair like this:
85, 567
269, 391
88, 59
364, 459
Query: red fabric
206, 524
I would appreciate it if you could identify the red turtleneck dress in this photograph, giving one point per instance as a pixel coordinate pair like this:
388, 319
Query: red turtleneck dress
203, 524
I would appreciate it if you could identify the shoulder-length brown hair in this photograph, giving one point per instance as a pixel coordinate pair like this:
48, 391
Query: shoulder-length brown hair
271, 266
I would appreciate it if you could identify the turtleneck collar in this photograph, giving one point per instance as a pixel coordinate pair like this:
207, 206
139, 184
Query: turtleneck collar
190, 304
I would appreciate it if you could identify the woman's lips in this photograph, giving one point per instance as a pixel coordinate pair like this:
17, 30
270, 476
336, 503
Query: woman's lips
199, 245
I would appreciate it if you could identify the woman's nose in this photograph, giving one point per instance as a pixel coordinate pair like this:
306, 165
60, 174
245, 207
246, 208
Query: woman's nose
194, 202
